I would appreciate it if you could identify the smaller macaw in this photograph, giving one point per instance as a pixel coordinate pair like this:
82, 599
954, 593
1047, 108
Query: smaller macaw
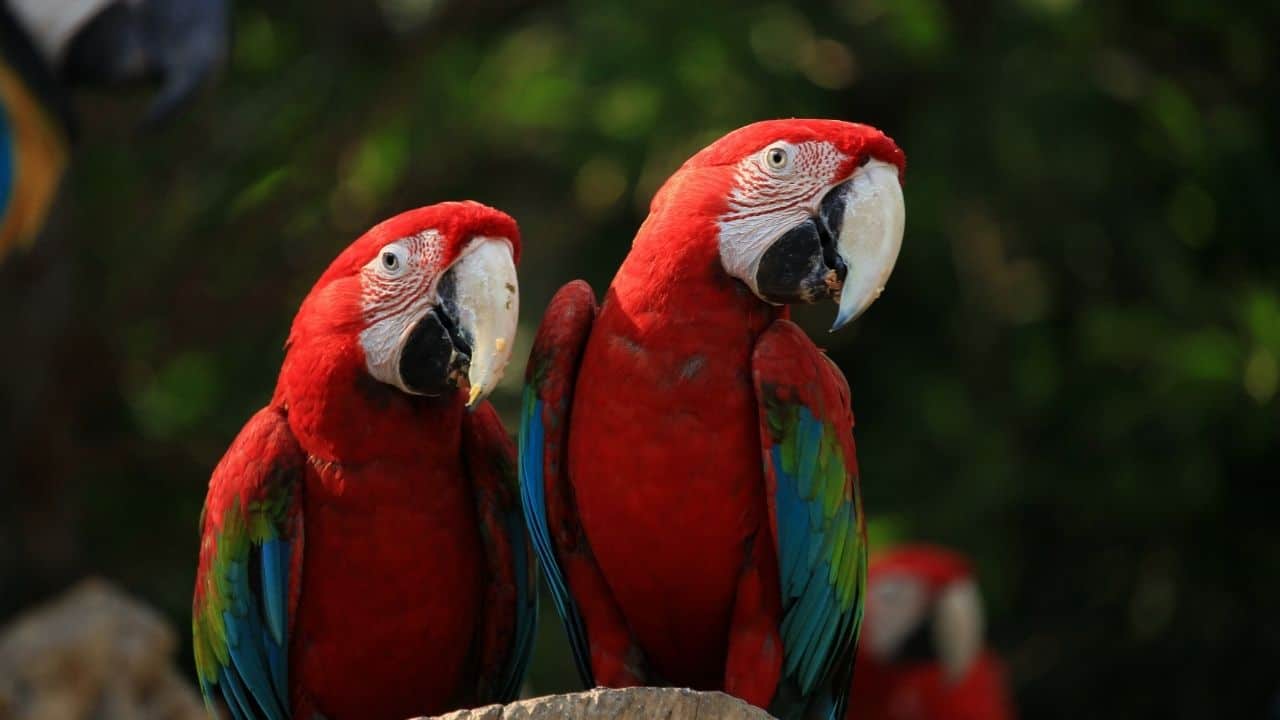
922, 655
362, 549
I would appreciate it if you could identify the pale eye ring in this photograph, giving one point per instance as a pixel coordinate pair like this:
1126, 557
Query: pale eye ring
391, 261
777, 158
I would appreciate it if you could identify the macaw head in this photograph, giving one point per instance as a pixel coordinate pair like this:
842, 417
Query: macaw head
804, 209
923, 605
425, 302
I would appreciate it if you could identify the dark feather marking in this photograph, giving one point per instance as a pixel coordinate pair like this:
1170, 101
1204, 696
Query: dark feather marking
690, 368
627, 344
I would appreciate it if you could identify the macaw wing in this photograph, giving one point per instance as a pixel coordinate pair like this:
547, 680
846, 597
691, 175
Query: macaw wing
511, 600
806, 433
250, 547
544, 421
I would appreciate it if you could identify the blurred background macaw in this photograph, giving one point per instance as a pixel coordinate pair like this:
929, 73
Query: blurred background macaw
48, 50
923, 653
49, 45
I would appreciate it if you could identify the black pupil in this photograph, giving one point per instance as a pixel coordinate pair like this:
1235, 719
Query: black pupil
389, 260
776, 157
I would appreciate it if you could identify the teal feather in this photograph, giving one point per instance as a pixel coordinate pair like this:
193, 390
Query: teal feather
534, 503
236, 700
273, 588
818, 540
255, 682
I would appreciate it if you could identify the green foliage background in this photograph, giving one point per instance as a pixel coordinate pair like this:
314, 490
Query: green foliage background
1073, 375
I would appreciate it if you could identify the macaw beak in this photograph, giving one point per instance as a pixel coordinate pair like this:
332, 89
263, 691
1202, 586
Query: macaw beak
870, 236
465, 340
958, 629
488, 307
846, 250
948, 630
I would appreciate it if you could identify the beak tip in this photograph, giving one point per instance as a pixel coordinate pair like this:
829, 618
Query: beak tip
844, 317
870, 239
473, 397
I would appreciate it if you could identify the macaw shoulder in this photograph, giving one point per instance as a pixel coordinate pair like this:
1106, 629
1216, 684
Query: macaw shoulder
565, 326
780, 351
263, 461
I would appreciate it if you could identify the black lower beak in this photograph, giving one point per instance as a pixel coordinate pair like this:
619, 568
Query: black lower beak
437, 355
919, 646
803, 265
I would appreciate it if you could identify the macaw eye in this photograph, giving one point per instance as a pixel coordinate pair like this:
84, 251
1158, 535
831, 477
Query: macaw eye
777, 158
392, 260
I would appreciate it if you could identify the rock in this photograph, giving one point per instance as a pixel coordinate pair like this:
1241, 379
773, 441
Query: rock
94, 652
625, 704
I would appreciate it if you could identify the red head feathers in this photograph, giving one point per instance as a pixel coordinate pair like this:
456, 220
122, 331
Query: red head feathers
425, 303
798, 210
922, 654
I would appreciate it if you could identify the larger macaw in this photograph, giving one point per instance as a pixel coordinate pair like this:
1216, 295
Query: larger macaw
923, 656
362, 550
47, 45
686, 452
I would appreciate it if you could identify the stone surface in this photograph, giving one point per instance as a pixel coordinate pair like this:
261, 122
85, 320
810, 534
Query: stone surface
626, 704
95, 653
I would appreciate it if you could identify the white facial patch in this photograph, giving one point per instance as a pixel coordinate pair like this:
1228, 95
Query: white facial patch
395, 296
768, 199
896, 605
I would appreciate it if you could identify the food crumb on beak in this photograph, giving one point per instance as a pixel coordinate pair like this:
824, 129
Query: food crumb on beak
500, 344
834, 284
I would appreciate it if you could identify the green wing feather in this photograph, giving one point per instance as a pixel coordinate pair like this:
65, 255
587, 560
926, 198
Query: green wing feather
817, 520
250, 531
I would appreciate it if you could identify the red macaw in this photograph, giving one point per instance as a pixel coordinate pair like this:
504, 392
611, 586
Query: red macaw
362, 551
922, 654
687, 458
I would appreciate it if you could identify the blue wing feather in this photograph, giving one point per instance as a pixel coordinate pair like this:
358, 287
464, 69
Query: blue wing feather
811, 546
240, 611
235, 698
533, 500
275, 554
805, 431
7, 165
277, 667
248, 659
255, 682
526, 606
273, 587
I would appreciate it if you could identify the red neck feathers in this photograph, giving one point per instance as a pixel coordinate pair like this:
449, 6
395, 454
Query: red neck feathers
338, 411
674, 270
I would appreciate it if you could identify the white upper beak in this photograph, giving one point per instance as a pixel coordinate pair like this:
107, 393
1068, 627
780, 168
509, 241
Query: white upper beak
870, 237
958, 628
488, 298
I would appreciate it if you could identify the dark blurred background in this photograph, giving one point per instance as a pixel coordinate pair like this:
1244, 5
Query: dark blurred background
1073, 375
